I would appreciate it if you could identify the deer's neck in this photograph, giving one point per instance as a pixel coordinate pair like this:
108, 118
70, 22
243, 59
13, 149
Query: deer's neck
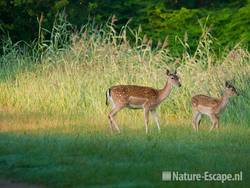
164, 92
223, 102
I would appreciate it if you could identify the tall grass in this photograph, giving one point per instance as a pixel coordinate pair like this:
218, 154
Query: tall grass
70, 73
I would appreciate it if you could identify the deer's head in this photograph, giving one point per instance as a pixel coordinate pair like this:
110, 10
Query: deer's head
230, 90
173, 78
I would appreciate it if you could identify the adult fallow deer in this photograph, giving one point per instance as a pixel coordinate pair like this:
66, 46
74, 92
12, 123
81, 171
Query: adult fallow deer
139, 97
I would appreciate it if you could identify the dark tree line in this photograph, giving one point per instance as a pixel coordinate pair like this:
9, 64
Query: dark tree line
158, 18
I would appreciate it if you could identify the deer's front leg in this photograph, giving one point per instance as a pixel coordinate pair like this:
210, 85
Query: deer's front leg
218, 121
215, 121
154, 114
146, 113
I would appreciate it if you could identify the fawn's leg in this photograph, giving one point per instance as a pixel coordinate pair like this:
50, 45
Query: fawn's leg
198, 120
218, 122
194, 121
214, 120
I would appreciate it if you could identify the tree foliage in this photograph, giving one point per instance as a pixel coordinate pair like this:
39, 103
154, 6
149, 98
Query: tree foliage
230, 19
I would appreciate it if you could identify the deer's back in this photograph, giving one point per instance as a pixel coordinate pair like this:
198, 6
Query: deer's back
204, 101
126, 91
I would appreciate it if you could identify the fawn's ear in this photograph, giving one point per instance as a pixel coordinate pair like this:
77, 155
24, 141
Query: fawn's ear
167, 72
175, 72
227, 84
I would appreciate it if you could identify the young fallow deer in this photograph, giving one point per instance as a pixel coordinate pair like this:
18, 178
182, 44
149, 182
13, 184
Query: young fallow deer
202, 104
139, 97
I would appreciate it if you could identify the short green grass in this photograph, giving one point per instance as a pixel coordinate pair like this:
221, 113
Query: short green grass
59, 152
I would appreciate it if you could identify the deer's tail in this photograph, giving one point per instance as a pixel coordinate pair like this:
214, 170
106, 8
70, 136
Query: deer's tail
108, 92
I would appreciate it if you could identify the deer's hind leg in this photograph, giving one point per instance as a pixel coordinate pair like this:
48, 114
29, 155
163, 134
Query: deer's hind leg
112, 115
196, 119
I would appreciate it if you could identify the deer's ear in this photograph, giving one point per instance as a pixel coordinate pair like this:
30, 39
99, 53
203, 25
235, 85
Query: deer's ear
167, 72
227, 84
175, 72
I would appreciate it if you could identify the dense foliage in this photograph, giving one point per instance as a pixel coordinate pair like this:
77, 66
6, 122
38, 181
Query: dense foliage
229, 19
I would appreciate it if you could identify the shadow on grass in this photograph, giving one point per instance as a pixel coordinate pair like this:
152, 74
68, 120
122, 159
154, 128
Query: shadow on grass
79, 159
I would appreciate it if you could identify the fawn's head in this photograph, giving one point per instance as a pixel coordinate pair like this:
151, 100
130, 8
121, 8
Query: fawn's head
230, 90
173, 78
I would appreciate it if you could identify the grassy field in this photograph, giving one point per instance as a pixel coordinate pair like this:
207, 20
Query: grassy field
58, 152
54, 126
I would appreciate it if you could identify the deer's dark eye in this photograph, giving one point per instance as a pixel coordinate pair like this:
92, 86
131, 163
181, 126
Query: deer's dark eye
172, 78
